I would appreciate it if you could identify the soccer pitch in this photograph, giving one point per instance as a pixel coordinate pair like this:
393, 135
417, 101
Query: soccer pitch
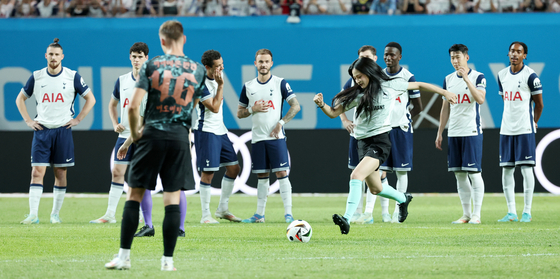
427, 245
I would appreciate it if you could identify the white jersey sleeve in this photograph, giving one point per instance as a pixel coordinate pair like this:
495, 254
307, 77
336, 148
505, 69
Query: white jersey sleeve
206, 120
517, 90
464, 117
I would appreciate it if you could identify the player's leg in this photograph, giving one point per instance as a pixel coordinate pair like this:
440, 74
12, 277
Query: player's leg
205, 195
401, 153
279, 162
170, 228
183, 211
227, 189
146, 206
63, 157
35, 192
353, 161
208, 147
526, 146
507, 162
528, 189
59, 191
262, 169
472, 154
384, 202
370, 202
465, 193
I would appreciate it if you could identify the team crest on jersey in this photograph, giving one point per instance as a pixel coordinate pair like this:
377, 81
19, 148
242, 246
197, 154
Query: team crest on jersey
288, 87
537, 83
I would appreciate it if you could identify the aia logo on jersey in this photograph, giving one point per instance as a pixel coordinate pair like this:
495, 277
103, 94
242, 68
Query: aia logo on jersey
463, 99
126, 103
510, 96
269, 103
52, 98
398, 99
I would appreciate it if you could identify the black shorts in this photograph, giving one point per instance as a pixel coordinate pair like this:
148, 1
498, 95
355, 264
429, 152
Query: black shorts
378, 147
168, 157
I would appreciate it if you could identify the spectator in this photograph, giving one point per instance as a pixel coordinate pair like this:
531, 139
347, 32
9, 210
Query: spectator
413, 7
508, 6
214, 7
77, 8
485, 6
26, 8
238, 7
192, 8
147, 7
383, 7
46, 8
534, 6
554, 6
314, 7
434, 7
339, 7
123, 8
285, 4
461, 6
170, 7
361, 7
6, 8
97, 8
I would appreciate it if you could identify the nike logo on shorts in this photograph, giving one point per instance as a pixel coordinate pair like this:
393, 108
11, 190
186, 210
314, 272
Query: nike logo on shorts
470, 165
283, 164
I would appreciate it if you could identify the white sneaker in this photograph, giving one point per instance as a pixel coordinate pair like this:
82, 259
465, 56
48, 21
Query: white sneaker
117, 263
30, 219
363, 218
167, 264
208, 220
395, 218
226, 215
463, 220
55, 219
474, 220
386, 218
355, 217
104, 219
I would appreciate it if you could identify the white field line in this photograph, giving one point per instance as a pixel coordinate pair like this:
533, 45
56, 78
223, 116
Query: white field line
310, 258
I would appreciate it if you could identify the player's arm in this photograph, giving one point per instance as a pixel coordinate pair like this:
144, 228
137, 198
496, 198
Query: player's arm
113, 114
422, 86
121, 153
134, 114
416, 107
213, 104
90, 101
478, 94
294, 109
328, 110
537, 98
20, 103
443, 117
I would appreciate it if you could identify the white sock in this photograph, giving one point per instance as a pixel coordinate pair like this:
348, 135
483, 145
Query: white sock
384, 201
464, 189
286, 194
124, 254
227, 189
35, 192
508, 184
370, 202
58, 199
205, 198
115, 194
402, 185
477, 192
528, 187
361, 203
262, 194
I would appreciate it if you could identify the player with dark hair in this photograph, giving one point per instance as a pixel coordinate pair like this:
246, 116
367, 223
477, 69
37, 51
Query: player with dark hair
262, 99
213, 147
400, 158
373, 95
464, 152
122, 93
521, 90
55, 88
171, 82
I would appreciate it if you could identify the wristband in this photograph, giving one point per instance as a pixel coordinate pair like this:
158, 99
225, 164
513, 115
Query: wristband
321, 106
281, 122
250, 110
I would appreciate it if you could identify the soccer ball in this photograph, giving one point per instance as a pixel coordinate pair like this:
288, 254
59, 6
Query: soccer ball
299, 231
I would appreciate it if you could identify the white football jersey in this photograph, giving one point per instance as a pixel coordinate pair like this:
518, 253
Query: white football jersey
274, 92
516, 90
206, 120
400, 116
464, 117
55, 95
380, 120
124, 89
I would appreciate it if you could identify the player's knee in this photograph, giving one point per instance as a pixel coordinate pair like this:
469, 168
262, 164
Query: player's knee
206, 176
233, 171
38, 173
280, 174
60, 173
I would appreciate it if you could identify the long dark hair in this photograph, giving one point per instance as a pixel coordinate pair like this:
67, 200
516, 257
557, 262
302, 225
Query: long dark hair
372, 91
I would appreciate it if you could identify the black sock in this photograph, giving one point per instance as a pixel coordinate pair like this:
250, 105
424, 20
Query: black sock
170, 229
129, 223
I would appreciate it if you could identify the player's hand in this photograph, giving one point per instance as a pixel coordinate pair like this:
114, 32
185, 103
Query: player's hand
72, 123
276, 131
450, 97
121, 153
463, 73
218, 77
36, 126
438, 141
119, 128
260, 106
348, 125
318, 99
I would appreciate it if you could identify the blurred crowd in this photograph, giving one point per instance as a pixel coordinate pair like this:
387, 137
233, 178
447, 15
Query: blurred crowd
135, 8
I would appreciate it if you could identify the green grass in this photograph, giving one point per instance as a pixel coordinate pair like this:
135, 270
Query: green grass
427, 245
